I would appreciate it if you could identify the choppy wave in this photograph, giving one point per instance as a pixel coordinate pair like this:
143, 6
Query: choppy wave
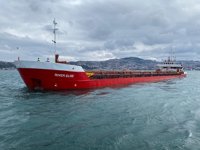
163, 115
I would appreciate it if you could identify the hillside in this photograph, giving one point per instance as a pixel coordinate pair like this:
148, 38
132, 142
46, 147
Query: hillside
123, 63
6, 65
119, 64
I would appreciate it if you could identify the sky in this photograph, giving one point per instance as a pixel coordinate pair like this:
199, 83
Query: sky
100, 29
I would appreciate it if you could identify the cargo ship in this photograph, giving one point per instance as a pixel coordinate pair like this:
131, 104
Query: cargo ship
60, 75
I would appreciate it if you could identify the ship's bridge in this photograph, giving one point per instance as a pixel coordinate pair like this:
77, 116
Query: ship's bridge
170, 66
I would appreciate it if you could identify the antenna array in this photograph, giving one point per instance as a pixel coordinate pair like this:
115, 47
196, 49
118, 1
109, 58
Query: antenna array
54, 32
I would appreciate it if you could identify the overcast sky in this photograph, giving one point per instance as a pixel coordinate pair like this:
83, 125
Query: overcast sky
100, 29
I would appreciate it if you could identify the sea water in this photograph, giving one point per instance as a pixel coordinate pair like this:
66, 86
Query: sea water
162, 115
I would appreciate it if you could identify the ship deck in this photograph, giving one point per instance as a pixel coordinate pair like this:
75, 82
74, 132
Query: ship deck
102, 74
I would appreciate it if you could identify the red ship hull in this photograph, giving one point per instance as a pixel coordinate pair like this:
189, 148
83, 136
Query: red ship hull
45, 79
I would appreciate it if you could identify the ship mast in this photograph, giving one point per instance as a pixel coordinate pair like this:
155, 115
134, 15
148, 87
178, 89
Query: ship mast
173, 58
54, 32
54, 42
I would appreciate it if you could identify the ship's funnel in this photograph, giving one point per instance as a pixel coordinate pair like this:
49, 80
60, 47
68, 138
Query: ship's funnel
56, 58
58, 61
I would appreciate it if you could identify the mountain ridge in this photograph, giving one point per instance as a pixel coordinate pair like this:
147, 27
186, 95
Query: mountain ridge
118, 64
130, 63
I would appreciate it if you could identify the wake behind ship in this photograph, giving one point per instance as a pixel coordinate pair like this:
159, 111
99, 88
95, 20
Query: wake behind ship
60, 75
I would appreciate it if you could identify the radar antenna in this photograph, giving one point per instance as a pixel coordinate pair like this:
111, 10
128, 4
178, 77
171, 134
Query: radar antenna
54, 32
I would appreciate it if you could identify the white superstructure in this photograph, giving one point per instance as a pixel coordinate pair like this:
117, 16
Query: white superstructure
170, 65
48, 66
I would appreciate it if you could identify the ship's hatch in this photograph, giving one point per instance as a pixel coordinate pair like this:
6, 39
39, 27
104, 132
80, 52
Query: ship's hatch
37, 84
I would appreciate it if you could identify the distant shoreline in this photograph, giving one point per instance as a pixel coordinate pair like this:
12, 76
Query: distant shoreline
131, 63
6, 65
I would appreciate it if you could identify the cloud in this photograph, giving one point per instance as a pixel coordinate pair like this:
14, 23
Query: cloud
100, 29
